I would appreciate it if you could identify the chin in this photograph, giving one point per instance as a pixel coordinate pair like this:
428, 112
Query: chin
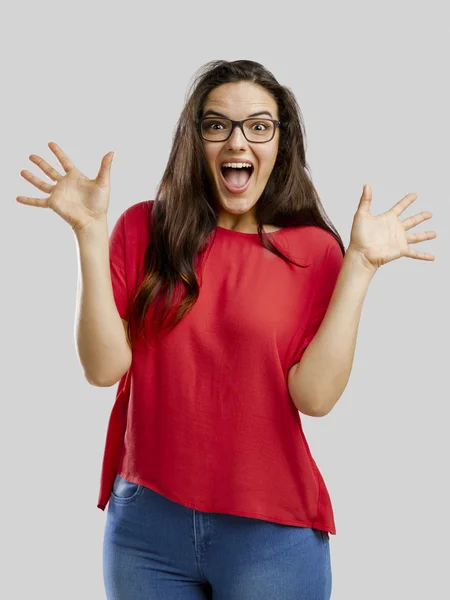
234, 204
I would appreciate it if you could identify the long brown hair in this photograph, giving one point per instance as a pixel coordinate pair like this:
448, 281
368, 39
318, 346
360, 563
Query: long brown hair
183, 217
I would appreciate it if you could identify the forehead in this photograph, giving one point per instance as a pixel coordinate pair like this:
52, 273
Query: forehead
240, 99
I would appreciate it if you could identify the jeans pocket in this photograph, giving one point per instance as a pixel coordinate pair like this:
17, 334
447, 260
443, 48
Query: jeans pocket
125, 491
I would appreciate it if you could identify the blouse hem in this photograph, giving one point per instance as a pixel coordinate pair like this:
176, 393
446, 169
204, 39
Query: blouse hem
239, 513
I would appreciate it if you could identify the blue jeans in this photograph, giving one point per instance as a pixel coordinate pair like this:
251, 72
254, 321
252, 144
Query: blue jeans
155, 548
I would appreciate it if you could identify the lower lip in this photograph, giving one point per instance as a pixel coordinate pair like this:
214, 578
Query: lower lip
233, 189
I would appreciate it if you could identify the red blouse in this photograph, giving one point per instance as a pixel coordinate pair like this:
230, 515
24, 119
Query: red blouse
204, 416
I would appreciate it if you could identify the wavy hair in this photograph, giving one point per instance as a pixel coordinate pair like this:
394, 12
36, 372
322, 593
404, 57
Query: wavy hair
183, 218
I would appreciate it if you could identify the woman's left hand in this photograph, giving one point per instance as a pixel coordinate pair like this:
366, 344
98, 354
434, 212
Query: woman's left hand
379, 240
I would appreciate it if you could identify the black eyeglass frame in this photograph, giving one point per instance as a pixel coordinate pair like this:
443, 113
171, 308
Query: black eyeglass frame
240, 125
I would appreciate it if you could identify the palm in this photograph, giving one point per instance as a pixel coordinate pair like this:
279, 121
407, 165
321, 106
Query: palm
77, 196
77, 199
383, 238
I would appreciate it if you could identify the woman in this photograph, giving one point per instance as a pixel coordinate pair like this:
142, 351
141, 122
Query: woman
224, 308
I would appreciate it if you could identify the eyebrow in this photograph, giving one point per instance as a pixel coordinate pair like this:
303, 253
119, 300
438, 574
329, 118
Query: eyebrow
256, 114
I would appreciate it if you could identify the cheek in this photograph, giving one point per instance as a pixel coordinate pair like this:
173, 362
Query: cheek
267, 162
268, 157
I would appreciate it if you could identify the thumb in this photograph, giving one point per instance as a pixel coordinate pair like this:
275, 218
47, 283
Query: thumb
366, 199
105, 170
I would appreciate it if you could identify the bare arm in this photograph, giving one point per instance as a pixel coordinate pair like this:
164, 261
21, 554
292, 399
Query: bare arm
317, 382
101, 339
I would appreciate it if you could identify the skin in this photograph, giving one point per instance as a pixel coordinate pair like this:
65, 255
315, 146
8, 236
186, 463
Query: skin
237, 101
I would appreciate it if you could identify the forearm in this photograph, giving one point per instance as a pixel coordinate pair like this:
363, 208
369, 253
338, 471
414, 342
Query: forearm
100, 336
321, 376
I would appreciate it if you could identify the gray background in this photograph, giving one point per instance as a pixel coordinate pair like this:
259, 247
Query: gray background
372, 83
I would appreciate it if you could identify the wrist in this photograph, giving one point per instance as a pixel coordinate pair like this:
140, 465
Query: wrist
91, 228
359, 261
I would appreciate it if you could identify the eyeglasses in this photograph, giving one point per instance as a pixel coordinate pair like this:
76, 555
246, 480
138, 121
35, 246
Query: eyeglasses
255, 130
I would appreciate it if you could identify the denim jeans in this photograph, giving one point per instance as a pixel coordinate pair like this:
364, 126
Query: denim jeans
155, 548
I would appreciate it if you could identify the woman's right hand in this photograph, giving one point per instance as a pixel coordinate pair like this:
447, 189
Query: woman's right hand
74, 197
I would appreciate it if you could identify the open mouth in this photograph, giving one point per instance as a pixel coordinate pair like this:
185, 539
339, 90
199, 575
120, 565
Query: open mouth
236, 179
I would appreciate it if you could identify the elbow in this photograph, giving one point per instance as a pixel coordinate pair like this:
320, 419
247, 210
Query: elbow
111, 378
305, 400
310, 410
104, 382
307, 404
96, 381
319, 409
321, 413
313, 407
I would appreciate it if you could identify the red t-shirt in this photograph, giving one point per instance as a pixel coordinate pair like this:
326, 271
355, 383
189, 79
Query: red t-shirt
204, 416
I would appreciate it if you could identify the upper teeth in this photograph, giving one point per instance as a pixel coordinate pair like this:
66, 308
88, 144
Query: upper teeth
236, 165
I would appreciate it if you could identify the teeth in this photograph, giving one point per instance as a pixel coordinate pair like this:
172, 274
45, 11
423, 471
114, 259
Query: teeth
237, 165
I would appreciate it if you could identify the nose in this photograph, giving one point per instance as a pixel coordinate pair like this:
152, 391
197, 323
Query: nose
236, 139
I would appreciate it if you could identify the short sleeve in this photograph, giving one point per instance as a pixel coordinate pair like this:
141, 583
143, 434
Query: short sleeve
326, 277
117, 264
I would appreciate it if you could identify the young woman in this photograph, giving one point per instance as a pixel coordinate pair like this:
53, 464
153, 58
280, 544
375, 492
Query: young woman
224, 308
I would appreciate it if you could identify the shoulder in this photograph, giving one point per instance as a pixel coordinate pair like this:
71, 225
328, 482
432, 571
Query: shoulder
134, 219
316, 236
137, 211
313, 242
327, 254
131, 228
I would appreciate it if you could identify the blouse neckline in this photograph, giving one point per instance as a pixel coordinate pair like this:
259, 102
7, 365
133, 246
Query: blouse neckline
242, 233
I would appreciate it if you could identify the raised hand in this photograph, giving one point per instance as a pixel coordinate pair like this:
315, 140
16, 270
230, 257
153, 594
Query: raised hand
74, 197
383, 238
